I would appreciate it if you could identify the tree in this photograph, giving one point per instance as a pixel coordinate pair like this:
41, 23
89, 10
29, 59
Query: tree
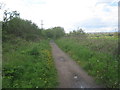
54, 33
24, 29
80, 31
77, 33
10, 15
48, 33
58, 32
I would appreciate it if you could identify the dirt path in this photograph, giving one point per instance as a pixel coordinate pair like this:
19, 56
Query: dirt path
70, 74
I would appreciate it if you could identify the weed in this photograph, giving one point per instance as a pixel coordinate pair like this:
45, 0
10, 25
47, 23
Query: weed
103, 66
29, 66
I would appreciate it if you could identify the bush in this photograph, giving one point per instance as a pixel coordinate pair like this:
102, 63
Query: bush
21, 28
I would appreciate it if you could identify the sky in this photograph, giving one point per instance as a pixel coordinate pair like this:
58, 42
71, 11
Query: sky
90, 15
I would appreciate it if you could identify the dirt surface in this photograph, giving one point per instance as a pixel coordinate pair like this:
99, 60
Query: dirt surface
70, 74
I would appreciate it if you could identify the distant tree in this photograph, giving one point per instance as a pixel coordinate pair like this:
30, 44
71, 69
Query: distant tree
58, 32
80, 31
74, 32
77, 32
48, 33
54, 33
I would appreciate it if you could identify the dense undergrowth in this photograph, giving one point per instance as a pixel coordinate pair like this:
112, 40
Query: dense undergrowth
27, 59
28, 65
94, 56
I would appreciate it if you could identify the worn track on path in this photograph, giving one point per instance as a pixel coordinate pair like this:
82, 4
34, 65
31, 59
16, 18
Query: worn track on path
70, 74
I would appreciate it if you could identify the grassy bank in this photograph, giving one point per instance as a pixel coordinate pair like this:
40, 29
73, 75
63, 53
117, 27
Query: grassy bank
96, 56
28, 64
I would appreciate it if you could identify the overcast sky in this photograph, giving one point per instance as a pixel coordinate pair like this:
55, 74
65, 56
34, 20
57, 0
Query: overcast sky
91, 15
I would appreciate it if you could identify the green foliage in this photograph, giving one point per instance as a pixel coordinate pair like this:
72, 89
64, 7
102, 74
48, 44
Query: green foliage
102, 65
78, 32
28, 65
54, 33
34, 51
20, 28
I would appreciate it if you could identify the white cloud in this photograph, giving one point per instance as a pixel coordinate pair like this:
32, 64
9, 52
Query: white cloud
66, 13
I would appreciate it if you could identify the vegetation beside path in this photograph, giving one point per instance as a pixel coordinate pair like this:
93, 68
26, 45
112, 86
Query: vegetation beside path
27, 58
98, 56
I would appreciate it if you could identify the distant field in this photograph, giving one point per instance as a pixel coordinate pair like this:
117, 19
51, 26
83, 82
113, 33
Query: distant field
103, 35
97, 54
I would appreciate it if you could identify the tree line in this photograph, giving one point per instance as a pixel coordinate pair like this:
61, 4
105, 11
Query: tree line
13, 26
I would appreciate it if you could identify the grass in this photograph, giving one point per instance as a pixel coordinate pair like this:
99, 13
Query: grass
94, 56
28, 65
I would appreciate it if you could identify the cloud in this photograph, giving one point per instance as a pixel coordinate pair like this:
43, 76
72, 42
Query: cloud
105, 18
69, 14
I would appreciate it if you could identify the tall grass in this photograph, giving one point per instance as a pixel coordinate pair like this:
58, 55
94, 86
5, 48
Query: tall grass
28, 65
99, 62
